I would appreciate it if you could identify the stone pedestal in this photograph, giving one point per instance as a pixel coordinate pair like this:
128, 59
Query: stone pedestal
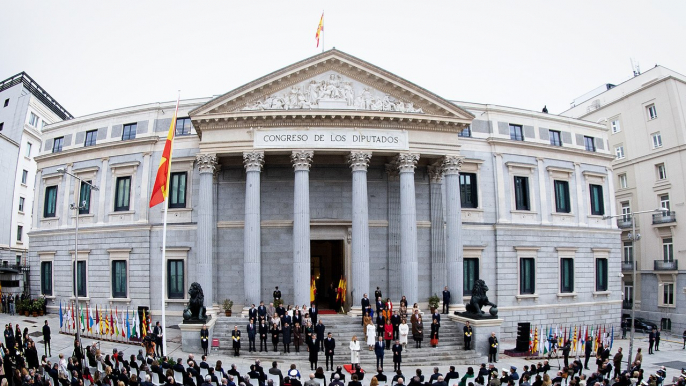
481, 331
190, 335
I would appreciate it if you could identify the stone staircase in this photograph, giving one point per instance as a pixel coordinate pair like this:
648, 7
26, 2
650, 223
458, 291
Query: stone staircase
449, 351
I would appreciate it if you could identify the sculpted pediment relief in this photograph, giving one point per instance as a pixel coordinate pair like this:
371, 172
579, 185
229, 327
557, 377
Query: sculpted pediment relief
332, 91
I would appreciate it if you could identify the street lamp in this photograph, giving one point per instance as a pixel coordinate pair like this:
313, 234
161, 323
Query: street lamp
633, 236
77, 208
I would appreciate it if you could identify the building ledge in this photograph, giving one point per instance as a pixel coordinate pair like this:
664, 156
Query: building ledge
566, 294
522, 297
601, 293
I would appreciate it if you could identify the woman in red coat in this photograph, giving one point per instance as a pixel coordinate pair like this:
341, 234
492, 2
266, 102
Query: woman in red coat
388, 334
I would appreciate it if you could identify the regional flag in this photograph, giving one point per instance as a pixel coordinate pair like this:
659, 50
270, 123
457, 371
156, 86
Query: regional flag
116, 321
83, 323
161, 188
320, 29
313, 289
128, 325
61, 315
144, 325
123, 331
345, 289
111, 323
134, 332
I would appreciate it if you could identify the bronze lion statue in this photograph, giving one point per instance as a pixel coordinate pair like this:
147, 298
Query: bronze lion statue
479, 299
195, 311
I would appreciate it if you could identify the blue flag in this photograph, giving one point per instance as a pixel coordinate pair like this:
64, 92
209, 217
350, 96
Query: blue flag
128, 325
612, 336
61, 316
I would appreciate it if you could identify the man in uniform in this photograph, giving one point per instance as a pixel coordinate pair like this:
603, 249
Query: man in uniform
329, 346
565, 352
377, 293
276, 294
397, 355
492, 348
446, 300
236, 338
467, 336
252, 331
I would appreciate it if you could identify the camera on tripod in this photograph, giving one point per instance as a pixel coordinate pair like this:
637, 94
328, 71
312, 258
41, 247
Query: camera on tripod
553, 343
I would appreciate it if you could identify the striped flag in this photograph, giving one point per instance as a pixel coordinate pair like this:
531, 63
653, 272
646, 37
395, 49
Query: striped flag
161, 188
320, 29
612, 336
128, 325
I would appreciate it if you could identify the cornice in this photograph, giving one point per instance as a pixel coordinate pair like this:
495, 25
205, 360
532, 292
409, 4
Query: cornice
539, 146
100, 148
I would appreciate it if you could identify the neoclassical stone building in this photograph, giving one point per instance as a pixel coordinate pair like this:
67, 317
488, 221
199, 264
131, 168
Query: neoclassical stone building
328, 167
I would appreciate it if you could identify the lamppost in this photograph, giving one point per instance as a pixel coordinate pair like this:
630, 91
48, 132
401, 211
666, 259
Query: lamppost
633, 236
75, 269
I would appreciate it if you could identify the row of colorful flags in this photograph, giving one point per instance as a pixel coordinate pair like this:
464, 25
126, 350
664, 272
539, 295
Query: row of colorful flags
541, 339
104, 321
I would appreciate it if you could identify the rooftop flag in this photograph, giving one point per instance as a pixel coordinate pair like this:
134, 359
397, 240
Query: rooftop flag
320, 29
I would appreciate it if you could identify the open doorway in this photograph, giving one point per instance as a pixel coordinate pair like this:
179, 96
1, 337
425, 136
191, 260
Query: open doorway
326, 266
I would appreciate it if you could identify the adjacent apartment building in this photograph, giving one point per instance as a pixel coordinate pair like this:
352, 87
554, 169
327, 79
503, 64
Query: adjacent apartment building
25, 108
646, 119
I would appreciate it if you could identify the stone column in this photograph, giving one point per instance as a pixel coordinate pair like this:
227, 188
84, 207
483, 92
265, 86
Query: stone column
252, 260
359, 161
207, 163
302, 160
453, 230
393, 232
438, 268
408, 227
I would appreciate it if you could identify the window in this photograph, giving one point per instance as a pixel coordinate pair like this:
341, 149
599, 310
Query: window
91, 137
33, 120
628, 252
177, 187
50, 206
470, 275
562, 204
527, 276
566, 275
666, 324
601, 274
122, 194
597, 202
657, 140
21, 204
85, 198
555, 138
175, 287
589, 143
20, 232
652, 111
468, 190
183, 126
521, 185
81, 278
619, 152
516, 132
628, 293
46, 278
622, 181
664, 201
24, 176
667, 249
2, 124
615, 126
7, 102
28, 149
466, 132
57, 144
668, 294
129, 131
119, 278
661, 171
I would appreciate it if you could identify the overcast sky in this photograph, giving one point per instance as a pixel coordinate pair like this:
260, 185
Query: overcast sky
98, 55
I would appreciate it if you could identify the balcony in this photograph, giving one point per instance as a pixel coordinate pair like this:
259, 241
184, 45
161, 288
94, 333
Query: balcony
662, 265
664, 217
627, 266
624, 222
626, 304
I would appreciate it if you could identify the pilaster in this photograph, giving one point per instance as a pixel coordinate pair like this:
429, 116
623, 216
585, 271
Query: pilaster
302, 160
207, 165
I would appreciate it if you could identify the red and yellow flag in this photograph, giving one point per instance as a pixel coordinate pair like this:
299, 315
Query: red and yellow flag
320, 29
161, 188
313, 289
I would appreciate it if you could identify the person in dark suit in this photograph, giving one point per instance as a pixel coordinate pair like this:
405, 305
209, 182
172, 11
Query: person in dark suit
276, 371
319, 328
276, 294
339, 372
379, 306
313, 314
467, 330
286, 332
314, 352
252, 314
236, 341
179, 366
377, 293
262, 312
446, 300
354, 381
436, 316
252, 332
397, 355
365, 304
588, 349
651, 341
379, 348
380, 376
329, 349
203, 362
452, 374
657, 340
158, 334
204, 338
263, 330
395, 321
440, 382
493, 348
46, 338
434, 376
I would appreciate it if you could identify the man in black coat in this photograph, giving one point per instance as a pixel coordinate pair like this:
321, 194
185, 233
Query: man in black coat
339, 372
588, 348
262, 311
452, 374
313, 314
379, 348
329, 346
46, 338
320, 328
179, 366
252, 314
397, 355
365, 304
446, 300
657, 340
314, 352
377, 293
651, 341
492, 348
236, 338
565, 352
395, 321
435, 375
263, 330
252, 332
276, 294
467, 330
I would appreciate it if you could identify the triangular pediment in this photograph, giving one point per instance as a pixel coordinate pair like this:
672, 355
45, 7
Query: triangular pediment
329, 82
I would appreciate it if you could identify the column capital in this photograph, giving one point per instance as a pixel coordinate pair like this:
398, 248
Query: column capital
392, 171
207, 163
435, 171
452, 164
406, 162
359, 160
253, 161
302, 159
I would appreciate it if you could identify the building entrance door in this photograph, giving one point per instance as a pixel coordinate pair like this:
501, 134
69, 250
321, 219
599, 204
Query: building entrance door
326, 266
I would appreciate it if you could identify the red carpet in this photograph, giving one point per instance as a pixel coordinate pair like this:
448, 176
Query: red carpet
327, 312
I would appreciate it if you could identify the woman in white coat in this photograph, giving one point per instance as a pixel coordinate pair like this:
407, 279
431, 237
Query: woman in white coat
404, 330
354, 351
371, 336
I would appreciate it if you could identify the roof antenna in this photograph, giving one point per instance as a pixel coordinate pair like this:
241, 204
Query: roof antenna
635, 67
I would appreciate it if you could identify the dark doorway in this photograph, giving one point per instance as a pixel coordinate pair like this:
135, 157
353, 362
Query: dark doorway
326, 266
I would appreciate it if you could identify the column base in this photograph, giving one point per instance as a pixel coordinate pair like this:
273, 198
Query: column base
190, 335
481, 331
355, 311
456, 307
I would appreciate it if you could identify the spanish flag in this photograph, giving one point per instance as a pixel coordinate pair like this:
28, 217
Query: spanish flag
161, 188
320, 29
313, 289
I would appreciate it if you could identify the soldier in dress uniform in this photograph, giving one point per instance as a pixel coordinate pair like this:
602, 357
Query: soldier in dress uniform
492, 348
276, 294
236, 338
377, 293
204, 338
467, 336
